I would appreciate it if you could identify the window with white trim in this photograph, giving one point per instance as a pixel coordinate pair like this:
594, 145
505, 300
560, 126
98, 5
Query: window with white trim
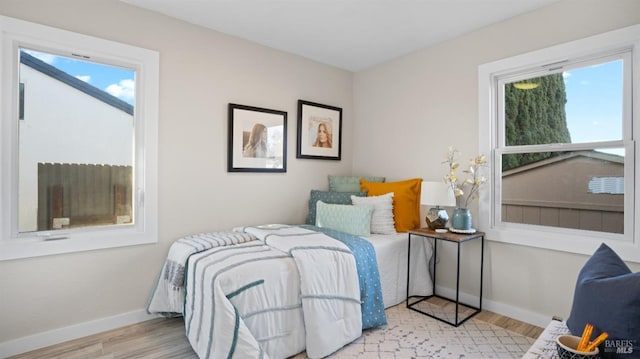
559, 125
78, 145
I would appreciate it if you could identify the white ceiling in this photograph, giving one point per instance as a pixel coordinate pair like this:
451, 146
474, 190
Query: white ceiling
349, 34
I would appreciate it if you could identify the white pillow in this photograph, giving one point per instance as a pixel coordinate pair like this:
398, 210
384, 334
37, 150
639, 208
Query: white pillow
382, 218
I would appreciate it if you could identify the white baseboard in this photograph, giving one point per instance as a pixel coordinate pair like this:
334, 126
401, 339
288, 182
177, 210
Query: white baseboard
60, 335
540, 320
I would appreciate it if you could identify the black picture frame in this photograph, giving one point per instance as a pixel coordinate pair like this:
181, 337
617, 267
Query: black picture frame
257, 140
312, 118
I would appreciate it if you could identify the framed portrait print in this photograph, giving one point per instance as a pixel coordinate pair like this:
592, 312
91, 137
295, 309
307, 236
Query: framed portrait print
319, 131
257, 139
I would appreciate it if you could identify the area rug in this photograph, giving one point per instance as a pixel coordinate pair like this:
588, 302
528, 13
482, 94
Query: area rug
409, 334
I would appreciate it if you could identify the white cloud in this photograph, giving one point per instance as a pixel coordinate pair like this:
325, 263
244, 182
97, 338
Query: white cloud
565, 77
85, 78
125, 89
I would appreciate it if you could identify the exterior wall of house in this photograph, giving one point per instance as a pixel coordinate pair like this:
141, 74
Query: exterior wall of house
420, 104
53, 132
201, 72
528, 197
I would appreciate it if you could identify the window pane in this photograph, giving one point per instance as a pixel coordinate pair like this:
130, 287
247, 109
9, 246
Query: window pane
75, 143
515, 160
574, 189
576, 106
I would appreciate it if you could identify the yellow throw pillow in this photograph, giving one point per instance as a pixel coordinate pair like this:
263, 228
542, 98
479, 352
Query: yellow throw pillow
406, 200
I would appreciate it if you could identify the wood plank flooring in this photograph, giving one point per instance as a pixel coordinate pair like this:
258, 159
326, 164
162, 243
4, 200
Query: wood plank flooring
165, 338
156, 338
498, 320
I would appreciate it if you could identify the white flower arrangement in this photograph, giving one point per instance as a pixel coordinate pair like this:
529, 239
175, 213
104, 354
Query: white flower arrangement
467, 190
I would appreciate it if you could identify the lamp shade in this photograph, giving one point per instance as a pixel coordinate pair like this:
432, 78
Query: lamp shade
436, 194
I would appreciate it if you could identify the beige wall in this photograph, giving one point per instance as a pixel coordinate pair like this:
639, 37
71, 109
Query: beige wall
201, 71
409, 110
399, 119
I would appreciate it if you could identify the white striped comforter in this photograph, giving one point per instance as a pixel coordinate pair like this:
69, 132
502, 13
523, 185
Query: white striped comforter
329, 289
167, 297
267, 298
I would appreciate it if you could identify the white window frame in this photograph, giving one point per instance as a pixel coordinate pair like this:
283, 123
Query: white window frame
627, 245
16, 33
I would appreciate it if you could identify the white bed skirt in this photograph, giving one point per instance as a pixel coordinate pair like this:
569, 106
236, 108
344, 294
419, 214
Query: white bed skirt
391, 254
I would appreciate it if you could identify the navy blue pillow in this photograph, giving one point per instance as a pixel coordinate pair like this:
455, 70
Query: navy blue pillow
328, 197
607, 295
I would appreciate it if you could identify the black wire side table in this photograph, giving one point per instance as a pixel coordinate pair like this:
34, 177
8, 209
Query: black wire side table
437, 311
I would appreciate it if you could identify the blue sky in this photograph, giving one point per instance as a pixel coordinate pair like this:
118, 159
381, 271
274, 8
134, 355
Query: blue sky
117, 81
594, 102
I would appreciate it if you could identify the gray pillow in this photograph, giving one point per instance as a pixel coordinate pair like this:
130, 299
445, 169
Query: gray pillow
328, 197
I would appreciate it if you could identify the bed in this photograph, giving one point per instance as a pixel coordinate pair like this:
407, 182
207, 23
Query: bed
257, 291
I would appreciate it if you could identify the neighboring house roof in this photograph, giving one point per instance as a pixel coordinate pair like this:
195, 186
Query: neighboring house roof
564, 157
78, 84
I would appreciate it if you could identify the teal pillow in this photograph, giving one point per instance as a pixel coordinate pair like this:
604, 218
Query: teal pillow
349, 183
355, 220
329, 197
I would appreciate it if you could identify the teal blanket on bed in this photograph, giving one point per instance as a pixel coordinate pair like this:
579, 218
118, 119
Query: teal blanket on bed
373, 314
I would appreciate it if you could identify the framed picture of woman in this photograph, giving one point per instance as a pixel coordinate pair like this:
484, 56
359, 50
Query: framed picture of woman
257, 139
319, 131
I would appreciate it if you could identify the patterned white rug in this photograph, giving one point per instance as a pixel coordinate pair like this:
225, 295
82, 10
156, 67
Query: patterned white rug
412, 335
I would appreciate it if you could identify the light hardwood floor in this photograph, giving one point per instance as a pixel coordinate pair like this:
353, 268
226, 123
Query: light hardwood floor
165, 338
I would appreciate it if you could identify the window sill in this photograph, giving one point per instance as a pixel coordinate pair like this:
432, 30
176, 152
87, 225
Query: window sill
71, 243
584, 242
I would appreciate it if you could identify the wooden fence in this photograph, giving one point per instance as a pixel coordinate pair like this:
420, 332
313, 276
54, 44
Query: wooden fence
85, 194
